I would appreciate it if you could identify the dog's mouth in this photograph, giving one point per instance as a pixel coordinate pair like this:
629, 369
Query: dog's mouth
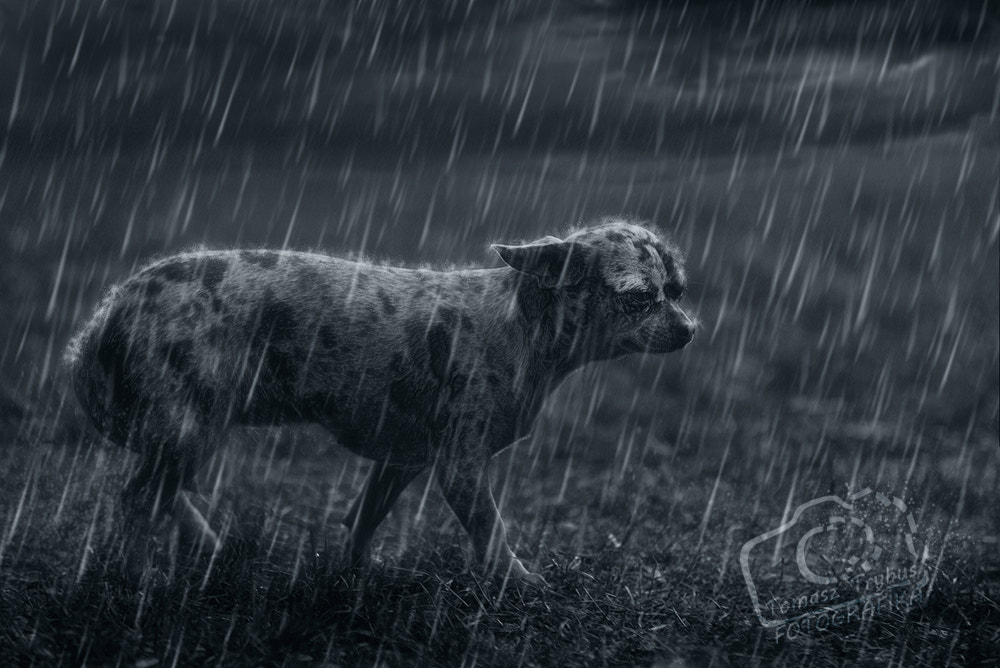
633, 347
666, 345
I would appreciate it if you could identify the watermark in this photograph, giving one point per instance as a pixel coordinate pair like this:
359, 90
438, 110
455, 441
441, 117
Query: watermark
834, 562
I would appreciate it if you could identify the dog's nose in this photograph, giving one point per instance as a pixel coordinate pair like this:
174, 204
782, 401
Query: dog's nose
685, 328
685, 334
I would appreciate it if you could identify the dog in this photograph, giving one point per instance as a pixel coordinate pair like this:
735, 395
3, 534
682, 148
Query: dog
409, 367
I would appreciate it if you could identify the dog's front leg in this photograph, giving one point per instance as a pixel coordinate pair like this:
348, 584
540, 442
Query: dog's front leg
382, 487
464, 479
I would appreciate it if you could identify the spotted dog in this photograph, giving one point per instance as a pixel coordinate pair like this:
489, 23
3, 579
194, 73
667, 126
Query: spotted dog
411, 368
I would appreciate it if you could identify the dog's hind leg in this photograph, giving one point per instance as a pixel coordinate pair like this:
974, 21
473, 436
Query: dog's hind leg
382, 487
172, 445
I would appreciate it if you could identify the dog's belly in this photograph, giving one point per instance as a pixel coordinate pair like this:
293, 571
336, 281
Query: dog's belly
380, 431
407, 422
369, 414
387, 447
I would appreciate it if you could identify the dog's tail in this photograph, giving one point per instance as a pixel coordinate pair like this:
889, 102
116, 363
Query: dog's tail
93, 359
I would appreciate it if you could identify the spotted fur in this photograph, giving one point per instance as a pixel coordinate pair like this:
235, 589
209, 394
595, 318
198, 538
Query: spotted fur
409, 367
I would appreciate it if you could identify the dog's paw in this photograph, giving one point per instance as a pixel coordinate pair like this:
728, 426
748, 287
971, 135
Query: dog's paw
357, 556
520, 576
195, 531
533, 580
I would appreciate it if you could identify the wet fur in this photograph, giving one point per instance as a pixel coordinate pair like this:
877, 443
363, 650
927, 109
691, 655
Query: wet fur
408, 367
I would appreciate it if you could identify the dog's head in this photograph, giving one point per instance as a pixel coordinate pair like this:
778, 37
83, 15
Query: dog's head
618, 284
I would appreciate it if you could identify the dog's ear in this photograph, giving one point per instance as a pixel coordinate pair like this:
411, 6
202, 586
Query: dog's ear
552, 261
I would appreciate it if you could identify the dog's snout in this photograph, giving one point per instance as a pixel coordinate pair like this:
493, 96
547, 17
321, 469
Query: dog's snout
686, 328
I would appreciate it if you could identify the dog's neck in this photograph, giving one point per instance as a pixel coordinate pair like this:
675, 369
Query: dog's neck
533, 321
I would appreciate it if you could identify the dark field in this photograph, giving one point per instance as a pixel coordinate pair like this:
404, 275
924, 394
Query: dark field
842, 242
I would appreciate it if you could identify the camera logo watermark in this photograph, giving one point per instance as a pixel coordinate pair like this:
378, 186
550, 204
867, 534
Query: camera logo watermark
836, 561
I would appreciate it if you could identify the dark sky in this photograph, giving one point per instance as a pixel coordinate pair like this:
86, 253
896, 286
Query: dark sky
478, 76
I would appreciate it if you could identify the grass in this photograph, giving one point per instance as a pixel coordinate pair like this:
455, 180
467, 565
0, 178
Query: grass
608, 606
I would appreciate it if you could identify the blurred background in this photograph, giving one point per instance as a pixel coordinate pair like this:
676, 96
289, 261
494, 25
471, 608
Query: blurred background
831, 169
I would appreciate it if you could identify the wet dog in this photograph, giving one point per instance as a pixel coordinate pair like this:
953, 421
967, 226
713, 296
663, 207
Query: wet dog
411, 368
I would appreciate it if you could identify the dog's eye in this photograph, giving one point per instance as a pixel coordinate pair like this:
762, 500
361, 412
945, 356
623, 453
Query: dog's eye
637, 301
674, 293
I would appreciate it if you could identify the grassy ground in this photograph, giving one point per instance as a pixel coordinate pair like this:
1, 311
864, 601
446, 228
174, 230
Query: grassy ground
850, 339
